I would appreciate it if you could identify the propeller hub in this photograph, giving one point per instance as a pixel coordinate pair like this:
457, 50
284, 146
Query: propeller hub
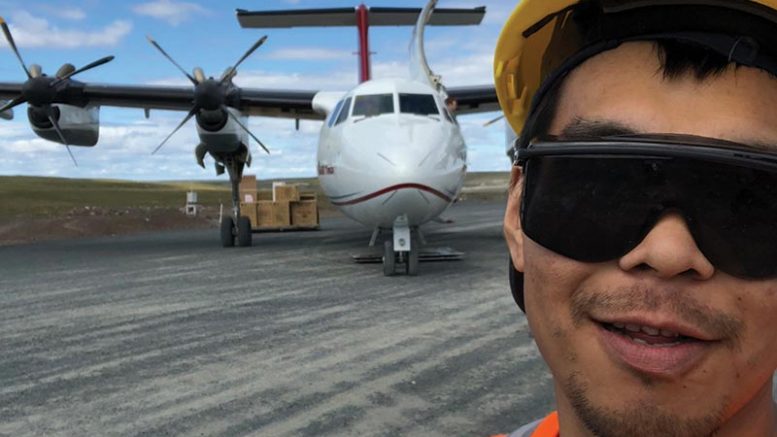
209, 95
38, 91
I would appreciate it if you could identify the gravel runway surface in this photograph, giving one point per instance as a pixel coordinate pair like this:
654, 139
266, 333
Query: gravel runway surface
169, 334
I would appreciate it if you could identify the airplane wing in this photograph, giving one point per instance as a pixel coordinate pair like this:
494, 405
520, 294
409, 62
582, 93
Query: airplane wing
474, 99
293, 104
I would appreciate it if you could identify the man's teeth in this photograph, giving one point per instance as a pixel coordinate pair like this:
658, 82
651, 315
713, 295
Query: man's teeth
647, 330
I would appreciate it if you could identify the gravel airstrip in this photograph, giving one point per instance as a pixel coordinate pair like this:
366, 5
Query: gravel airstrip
169, 334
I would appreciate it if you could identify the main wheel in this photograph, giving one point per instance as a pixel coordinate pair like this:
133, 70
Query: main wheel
412, 260
244, 232
227, 234
389, 259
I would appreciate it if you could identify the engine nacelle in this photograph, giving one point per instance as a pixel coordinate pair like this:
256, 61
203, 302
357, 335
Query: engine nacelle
220, 132
80, 126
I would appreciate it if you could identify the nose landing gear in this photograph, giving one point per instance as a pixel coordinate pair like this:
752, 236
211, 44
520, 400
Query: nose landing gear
403, 249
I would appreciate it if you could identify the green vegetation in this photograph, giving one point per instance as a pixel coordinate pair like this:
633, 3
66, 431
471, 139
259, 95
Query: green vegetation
40, 197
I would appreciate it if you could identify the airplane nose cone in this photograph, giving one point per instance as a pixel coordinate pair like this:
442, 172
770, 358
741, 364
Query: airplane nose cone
404, 145
412, 165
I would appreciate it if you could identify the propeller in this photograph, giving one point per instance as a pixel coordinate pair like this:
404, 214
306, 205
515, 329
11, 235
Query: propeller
41, 91
490, 122
62, 138
211, 94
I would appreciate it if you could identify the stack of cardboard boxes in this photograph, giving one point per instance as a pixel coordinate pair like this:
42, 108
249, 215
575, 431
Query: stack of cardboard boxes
283, 207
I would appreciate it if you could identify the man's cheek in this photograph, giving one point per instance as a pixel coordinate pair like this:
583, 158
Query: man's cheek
547, 297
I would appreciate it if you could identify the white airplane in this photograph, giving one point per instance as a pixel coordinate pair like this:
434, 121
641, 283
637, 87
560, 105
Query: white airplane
390, 155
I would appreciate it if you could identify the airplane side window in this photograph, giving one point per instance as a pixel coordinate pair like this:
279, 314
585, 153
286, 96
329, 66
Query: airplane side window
372, 105
334, 114
419, 104
344, 111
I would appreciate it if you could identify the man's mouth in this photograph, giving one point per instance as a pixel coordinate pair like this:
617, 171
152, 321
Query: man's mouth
648, 335
659, 351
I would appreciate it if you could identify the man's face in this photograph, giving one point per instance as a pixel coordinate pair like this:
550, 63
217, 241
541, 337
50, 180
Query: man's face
619, 382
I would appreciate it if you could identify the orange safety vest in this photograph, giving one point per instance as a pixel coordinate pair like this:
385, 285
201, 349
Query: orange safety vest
547, 428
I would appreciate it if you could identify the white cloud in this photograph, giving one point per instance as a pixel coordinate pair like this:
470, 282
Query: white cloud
71, 13
31, 31
310, 54
337, 80
174, 12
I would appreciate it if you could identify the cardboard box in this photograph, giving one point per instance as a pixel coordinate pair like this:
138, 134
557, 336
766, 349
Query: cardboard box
285, 193
248, 197
304, 213
281, 214
247, 189
248, 182
273, 214
309, 195
249, 210
263, 214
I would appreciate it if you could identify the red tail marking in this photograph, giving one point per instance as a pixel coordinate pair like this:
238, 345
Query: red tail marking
363, 23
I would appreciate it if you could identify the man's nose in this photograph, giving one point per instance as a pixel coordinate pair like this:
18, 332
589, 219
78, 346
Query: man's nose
669, 250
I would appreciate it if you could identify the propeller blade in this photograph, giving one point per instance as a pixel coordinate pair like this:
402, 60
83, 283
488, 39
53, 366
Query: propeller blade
199, 75
13, 103
94, 64
242, 126
170, 58
253, 48
489, 123
7, 114
185, 120
62, 137
35, 70
11, 43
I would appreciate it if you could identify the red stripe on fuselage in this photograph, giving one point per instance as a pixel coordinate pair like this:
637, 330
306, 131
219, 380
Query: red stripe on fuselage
395, 188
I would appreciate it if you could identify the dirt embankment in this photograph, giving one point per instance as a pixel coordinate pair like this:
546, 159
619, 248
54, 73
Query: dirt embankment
39, 209
96, 221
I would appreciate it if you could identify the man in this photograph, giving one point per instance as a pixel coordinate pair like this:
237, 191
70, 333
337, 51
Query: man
642, 220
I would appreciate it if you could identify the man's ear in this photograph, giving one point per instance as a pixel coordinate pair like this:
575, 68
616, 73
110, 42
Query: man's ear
512, 223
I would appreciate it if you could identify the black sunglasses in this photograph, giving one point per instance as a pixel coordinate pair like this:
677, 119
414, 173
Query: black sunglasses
596, 200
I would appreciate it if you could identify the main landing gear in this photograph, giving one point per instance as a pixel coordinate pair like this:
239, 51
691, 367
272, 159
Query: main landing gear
235, 227
401, 252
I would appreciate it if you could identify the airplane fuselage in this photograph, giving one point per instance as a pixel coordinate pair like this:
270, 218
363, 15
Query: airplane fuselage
407, 157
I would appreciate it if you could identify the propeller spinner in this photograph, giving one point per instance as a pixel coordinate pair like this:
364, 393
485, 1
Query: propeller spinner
211, 94
40, 91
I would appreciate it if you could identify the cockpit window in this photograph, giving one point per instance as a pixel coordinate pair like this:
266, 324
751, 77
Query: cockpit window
335, 113
420, 104
344, 111
375, 104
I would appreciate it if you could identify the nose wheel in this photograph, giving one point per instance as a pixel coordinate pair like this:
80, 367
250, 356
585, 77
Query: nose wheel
401, 251
395, 262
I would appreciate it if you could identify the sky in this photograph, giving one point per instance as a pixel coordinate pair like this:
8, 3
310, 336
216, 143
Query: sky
206, 34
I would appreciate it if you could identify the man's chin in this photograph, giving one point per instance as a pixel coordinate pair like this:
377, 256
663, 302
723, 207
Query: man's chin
634, 415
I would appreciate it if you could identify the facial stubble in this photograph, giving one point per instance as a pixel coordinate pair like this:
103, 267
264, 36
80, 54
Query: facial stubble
642, 418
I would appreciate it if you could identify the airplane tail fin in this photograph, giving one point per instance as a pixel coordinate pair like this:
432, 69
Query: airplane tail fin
419, 66
362, 18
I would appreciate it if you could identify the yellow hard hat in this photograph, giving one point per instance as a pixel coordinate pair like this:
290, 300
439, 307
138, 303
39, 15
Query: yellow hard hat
541, 35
